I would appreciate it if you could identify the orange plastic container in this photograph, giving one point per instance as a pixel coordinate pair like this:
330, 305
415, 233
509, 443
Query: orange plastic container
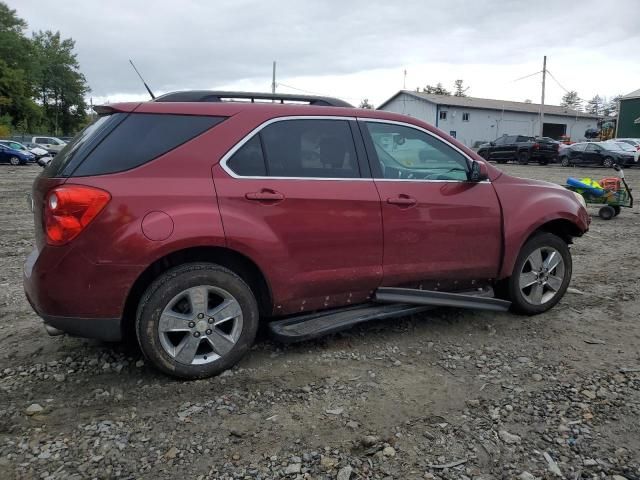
611, 183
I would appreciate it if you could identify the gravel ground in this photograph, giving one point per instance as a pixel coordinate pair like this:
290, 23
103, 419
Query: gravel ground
449, 394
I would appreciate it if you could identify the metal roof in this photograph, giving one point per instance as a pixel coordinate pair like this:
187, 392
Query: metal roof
635, 94
489, 104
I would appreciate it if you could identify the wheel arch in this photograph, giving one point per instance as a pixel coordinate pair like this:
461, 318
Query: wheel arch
564, 228
238, 263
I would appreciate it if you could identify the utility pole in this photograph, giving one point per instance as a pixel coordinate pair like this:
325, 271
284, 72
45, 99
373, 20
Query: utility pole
544, 78
273, 79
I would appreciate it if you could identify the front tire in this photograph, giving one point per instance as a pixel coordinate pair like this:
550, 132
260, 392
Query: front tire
541, 274
564, 161
607, 162
15, 161
196, 320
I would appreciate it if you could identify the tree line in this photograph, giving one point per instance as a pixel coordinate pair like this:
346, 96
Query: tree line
598, 105
41, 87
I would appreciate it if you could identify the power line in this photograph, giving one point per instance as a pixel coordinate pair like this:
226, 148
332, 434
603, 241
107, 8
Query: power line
526, 76
555, 80
315, 93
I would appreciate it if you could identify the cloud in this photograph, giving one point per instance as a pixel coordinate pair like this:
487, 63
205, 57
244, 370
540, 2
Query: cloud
328, 45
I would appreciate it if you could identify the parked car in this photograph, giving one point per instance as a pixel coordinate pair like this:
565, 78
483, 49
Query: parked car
520, 148
37, 151
15, 156
631, 141
52, 144
596, 153
477, 144
186, 220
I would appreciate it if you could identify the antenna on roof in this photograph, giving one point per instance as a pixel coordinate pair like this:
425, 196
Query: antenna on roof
153, 97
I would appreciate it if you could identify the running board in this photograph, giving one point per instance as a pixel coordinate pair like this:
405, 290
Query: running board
313, 325
479, 300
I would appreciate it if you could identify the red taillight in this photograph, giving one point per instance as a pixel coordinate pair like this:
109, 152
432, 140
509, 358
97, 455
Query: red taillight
536, 146
69, 209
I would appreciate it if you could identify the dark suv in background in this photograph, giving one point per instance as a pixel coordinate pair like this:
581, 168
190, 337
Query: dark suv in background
521, 149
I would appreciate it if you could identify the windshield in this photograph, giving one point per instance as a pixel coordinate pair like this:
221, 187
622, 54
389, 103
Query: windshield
613, 146
626, 147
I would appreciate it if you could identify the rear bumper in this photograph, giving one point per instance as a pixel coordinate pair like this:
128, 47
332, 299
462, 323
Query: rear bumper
77, 296
107, 329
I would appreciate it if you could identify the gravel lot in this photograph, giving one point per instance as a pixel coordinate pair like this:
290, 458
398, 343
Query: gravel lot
448, 394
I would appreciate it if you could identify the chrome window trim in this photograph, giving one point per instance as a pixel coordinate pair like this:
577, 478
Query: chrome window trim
224, 160
250, 135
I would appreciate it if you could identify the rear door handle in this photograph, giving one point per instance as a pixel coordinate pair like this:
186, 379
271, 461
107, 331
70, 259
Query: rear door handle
265, 195
402, 200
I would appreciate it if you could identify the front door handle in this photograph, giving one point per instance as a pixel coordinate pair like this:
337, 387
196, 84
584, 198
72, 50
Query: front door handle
402, 200
265, 195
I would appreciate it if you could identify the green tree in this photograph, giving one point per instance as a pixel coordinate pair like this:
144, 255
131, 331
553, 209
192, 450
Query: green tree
437, 90
459, 89
594, 106
610, 108
572, 100
60, 87
365, 104
17, 67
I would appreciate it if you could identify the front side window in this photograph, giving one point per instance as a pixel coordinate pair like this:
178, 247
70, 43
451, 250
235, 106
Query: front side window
592, 148
42, 140
406, 153
578, 147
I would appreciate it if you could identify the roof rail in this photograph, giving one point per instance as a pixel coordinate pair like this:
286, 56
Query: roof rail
216, 96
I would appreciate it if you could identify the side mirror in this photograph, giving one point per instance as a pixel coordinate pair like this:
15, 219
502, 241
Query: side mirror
493, 144
479, 172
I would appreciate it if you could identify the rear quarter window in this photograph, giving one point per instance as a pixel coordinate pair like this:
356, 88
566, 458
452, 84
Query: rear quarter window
140, 138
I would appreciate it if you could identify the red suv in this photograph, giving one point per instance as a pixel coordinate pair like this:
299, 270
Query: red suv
187, 219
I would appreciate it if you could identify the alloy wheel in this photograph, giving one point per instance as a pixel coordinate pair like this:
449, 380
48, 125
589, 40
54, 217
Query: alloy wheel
15, 161
200, 325
542, 275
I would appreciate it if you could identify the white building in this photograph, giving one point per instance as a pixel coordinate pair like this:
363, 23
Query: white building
473, 120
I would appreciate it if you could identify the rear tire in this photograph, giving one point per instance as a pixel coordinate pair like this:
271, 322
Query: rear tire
607, 212
564, 161
541, 274
196, 320
15, 161
607, 162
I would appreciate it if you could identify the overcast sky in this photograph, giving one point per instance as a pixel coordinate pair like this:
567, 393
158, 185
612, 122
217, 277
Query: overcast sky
352, 49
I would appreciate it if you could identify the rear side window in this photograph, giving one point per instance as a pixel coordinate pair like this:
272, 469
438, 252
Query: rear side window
306, 148
248, 161
140, 138
75, 151
310, 148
